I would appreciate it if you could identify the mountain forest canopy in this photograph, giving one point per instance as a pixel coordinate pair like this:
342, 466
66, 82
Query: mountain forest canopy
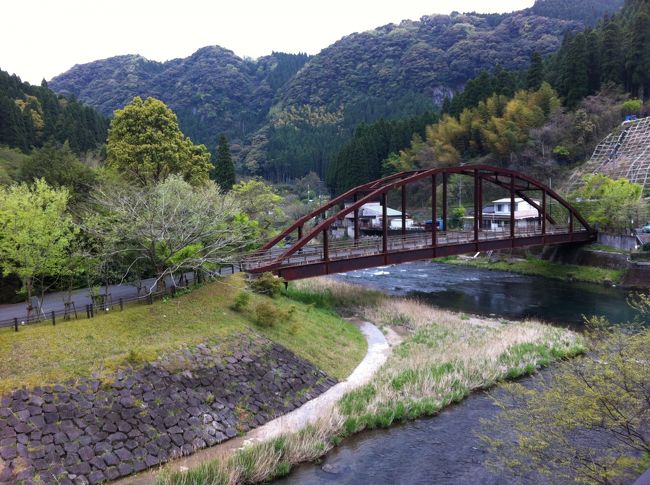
286, 115
31, 116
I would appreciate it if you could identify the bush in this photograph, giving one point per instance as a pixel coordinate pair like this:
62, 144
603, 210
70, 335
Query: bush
646, 247
632, 106
267, 284
267, 314
241, 301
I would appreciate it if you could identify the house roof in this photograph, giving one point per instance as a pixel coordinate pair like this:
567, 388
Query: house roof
374, 209
507, 199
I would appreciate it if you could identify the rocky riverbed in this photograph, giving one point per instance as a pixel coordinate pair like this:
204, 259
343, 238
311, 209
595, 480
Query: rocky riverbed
89, 431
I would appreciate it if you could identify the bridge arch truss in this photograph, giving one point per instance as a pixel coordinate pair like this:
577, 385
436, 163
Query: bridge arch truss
315, 253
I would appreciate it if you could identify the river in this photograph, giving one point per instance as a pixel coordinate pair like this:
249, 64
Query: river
445, 449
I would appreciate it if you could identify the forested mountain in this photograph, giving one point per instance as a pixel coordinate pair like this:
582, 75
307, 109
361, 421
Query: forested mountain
393, 71
551, 116
212, 92
30, 116
360, 160
290, 114
616, 51
588, 12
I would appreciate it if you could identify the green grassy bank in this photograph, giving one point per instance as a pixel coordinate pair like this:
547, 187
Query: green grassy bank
40, 353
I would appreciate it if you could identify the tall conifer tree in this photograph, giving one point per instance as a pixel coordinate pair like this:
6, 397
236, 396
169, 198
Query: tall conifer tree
224, 168
535, 76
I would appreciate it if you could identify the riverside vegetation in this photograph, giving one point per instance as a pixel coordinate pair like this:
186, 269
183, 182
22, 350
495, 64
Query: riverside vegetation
438, 358
547, 269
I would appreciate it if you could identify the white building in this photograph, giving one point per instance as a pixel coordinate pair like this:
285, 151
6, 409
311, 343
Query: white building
371, 217
496, 215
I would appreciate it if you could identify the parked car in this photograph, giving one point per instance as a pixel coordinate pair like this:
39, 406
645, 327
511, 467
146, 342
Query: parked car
646, 229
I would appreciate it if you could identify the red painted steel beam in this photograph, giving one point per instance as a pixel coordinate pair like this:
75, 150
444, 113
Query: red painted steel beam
405, 178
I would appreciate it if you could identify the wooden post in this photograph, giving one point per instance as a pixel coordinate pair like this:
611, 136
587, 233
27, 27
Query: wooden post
326, 249
403, 210
543, 212
15, 324
384, 224
512, 206
53, 318
434, 211
444, 202
476, 208
121, 304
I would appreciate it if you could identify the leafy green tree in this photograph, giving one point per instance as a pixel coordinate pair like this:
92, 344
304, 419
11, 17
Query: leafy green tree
35, 234
261, 204
224, 168
60, 167
171, 226
615, 205
146, 145
587, 423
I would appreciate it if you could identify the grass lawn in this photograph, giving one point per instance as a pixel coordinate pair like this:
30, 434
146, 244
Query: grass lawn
547, 269
41, 353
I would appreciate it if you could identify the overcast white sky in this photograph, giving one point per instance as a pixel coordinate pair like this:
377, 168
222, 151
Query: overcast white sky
42, 38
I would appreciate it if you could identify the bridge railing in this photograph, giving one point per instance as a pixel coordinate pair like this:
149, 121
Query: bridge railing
367, 246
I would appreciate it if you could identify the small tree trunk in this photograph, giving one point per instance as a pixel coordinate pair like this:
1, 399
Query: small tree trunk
28, 285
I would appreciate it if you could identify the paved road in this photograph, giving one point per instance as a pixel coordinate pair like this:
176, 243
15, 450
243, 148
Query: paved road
54, 302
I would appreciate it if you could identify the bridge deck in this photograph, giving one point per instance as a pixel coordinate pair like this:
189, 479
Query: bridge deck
369, 252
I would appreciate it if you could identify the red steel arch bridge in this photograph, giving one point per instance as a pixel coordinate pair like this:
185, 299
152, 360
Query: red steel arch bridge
312, 250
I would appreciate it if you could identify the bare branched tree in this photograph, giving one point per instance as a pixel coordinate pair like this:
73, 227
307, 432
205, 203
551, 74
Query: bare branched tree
171, 227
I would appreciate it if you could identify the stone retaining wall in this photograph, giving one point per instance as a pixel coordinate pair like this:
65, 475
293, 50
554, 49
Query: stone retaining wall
92, 431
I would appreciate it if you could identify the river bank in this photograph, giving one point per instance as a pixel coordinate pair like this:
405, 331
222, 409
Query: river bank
547, 269
438, 358
97, 399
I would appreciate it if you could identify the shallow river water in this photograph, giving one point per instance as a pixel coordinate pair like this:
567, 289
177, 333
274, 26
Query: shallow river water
445, 449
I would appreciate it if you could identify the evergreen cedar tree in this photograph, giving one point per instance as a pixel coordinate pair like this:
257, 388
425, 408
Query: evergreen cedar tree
34, 115
223, 172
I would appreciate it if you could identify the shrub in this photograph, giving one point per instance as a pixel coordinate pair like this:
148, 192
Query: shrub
267, 314
562, 153
267, 284
241, 301
646, 247
632, 106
